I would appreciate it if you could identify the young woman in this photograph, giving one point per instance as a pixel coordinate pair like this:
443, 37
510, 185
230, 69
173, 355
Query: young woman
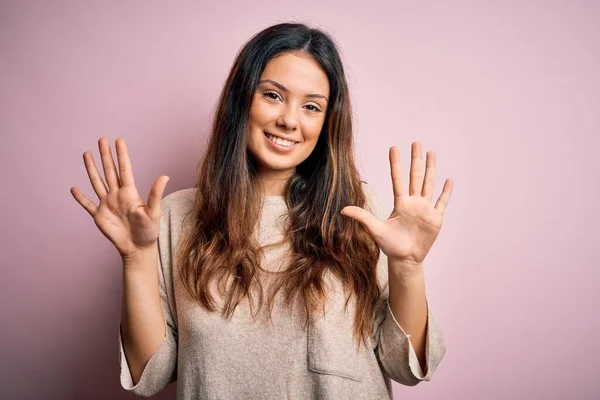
272, 279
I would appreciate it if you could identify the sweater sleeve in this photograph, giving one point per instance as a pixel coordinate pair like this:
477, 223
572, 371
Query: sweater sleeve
393, 349
161, 369
396, 353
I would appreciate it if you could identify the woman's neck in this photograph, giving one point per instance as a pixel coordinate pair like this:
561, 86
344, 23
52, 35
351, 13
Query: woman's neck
273, 182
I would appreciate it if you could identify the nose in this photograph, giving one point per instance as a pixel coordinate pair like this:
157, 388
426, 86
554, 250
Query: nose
288, 119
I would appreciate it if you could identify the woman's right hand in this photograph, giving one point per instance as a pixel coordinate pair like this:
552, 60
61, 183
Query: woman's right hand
121, 215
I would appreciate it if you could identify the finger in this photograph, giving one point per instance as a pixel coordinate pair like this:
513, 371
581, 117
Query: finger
125, 170
156, 194
396, 170
94, 175
416, 169
429, 181
89, 206
364, 217
444, 198
110, 171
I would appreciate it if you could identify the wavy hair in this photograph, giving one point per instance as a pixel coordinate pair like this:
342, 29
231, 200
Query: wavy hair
219, 245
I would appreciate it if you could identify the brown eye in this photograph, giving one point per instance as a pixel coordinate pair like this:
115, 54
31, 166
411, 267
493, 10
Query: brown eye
271, 95
313, 108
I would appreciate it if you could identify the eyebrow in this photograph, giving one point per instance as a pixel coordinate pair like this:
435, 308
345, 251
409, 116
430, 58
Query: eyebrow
281, 87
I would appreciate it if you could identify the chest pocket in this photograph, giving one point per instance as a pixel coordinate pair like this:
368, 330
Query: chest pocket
332, 349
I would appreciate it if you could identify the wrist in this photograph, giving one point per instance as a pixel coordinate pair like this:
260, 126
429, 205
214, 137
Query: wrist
141, 257
405, 271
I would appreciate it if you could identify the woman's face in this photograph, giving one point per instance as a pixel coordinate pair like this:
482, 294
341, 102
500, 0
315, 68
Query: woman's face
287, 113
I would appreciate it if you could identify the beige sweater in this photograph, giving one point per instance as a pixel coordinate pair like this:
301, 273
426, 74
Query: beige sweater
214, 358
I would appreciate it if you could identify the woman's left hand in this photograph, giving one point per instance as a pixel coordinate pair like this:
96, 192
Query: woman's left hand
411, 229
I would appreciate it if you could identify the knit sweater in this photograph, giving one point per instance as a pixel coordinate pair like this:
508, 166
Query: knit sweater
211, 357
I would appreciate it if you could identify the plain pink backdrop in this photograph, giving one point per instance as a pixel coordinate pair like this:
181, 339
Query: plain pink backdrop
506, 93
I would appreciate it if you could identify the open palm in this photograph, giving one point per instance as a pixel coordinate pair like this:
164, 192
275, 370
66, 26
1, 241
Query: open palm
414, 224
121, 214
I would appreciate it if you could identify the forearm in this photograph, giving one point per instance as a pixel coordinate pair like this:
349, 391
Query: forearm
409, 304
142, 321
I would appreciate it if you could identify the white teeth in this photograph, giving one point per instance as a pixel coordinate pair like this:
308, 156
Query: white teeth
279, 141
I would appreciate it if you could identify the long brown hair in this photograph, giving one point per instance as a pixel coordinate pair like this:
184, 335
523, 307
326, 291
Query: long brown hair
219, 245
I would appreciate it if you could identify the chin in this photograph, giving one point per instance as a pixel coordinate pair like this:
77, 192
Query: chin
277, 166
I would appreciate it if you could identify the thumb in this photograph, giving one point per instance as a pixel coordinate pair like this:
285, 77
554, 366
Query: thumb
363, 216
156, 194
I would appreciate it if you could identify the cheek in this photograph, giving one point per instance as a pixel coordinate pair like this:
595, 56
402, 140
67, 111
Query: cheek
254, 115
261, 113
312, 129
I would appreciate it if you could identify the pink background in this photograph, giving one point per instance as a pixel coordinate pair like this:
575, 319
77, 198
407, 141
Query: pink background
506, 93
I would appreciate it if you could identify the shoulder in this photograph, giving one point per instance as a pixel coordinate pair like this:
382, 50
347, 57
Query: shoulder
179, 202
374, 205
373, 200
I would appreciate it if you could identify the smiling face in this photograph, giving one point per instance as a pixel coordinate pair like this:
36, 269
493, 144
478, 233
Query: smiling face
286, 116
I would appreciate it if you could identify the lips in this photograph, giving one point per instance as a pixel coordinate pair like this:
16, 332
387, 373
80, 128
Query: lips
282, 142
